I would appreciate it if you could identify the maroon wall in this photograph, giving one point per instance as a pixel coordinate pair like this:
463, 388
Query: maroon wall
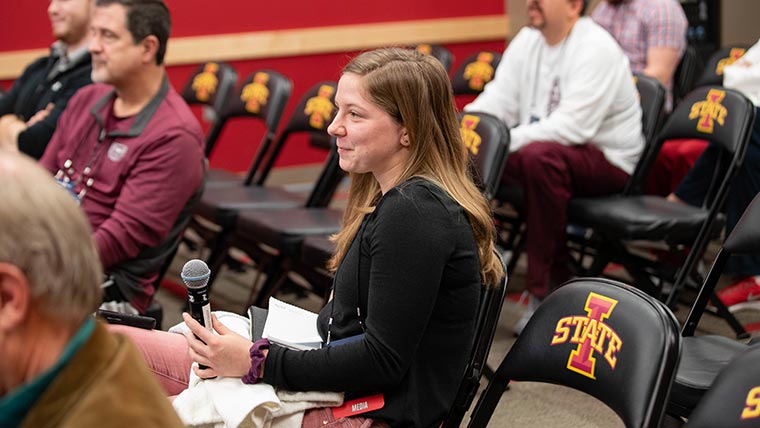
197, 18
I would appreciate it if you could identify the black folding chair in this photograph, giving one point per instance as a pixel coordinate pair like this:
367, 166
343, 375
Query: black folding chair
607, 339
475, 72
489, 310
705, 355
723, 117
439, 52
686, 71
270, 236
652, 99
712, 73
261, 97
210, 85
733, 401
220, 206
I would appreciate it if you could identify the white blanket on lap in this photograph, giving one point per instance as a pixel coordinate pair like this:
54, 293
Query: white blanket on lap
229, 403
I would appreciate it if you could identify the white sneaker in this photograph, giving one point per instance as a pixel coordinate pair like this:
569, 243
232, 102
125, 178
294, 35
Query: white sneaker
532, 304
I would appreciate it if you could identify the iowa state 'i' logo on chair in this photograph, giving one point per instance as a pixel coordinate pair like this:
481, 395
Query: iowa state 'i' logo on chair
256, 93
709, 111
320, 107
592, 334
471, 137
205, 83
733, 55
480, 71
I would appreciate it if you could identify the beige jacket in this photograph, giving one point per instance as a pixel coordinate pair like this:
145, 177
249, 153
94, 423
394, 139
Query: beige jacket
106, 383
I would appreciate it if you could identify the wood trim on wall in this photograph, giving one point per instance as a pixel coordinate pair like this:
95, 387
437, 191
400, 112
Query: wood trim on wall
304, 41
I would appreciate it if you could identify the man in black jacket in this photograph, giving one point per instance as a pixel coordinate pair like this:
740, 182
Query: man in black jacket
30, 110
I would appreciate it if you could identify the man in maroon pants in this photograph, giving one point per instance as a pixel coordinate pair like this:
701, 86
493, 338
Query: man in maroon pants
564, 87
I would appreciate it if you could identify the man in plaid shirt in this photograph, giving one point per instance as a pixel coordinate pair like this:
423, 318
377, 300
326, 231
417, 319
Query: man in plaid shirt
652, 34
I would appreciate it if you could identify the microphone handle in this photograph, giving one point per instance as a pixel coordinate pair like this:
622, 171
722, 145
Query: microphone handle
200, 310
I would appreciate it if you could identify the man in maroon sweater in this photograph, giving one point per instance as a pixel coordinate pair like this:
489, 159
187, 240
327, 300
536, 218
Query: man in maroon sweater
129, 149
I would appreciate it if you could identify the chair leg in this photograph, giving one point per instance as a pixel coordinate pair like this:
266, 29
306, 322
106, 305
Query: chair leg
584, 247
276, 276
681, 277
490, 397
517, 251
723, 312
487, 372
515, 238
255, 285
616, 251
643, 281
671, 421
598, 264
218, 255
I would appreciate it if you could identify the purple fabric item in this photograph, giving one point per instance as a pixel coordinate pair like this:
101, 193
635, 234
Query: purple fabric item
257, 357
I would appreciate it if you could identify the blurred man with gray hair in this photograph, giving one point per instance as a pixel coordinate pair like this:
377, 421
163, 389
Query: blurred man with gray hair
60, 367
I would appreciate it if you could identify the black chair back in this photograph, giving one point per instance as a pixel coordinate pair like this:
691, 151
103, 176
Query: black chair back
733, 400
705, 355
683, 78
211, 85
262, 96
652, 100
725, 118
712, 73
313, 114
607, 339
721, 116
439, 52
475, 72
489, 310
487, 140
743, 239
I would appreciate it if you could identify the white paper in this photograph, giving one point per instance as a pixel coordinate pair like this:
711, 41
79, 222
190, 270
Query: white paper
291, 326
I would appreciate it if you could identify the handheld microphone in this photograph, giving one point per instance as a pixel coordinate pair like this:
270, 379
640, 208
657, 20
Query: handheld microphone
195, 274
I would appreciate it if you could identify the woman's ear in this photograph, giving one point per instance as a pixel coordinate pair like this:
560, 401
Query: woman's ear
405, 138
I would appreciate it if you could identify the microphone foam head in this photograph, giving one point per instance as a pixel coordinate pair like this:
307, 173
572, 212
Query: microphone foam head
195, 273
